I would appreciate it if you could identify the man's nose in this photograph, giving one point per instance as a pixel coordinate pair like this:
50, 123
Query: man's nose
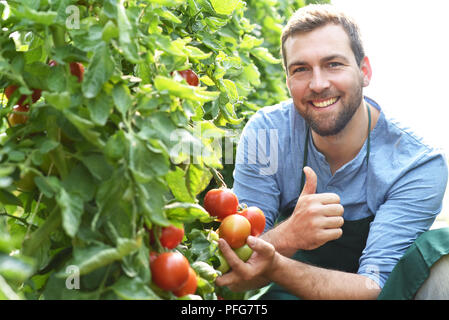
319, 81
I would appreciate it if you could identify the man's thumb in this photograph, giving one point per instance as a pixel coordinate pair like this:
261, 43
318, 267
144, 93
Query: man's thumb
311, 181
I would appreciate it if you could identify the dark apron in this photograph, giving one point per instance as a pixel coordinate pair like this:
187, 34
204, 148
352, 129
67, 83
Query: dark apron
342, 254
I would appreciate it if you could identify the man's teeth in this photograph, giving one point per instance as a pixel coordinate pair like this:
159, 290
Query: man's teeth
325, 103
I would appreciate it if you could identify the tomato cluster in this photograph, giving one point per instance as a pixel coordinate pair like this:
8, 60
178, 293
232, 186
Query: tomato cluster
235, 225
170, 270
20, 110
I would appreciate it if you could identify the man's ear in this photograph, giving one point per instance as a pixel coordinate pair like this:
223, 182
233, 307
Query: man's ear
367, 72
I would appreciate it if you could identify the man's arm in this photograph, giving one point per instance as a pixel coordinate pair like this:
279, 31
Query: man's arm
302, 280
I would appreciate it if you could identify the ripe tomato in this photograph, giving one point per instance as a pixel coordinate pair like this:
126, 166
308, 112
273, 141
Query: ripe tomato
171, 236
77, 69
256, 217
221, 203
18, 116
34, 96
235, 229
190, 286
190, 76
170, 271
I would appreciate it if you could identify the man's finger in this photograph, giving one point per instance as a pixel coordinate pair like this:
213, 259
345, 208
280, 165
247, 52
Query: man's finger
311, 181
262, 247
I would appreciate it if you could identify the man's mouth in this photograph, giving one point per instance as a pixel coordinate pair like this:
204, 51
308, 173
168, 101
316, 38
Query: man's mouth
324, 103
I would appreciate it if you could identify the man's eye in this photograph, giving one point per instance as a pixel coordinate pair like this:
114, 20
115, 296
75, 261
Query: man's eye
299, 69
335, 64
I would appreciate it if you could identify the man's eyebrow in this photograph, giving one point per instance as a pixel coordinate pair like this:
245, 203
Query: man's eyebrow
324, 59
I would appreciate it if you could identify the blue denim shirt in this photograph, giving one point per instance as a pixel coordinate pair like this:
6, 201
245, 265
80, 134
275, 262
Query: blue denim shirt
403, 185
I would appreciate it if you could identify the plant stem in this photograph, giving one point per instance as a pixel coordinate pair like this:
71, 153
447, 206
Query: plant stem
218, 178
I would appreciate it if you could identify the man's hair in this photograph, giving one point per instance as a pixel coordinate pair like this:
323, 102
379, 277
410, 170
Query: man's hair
313, 16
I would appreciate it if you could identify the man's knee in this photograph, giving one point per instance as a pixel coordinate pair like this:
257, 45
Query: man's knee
436, 286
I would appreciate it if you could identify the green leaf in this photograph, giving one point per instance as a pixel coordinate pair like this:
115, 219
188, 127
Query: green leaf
263, 54
72, 210
225, 7
151, 201
122, 98
176, 183
60, 101
42, 17
133, 289
184, 91
197, 179
187, 212
116, 146
97, 166
8, 198
99, 71
100, 108
127, 33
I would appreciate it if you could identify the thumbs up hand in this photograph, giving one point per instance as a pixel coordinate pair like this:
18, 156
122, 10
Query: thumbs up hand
316, 219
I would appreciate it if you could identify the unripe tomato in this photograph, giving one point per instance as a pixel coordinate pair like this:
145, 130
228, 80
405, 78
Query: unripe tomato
224, 265
190, 76
190, 286
170, 271
221, 203
256, 218
235, 229
171, 236
244, 252
18, 116
77, 69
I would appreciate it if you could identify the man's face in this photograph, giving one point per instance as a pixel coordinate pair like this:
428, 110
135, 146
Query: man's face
324, 79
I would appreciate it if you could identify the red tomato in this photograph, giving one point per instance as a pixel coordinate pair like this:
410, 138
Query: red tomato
221, 203
256, 218
170, 271
235, 229
34, 96
18, 118
171, 236
190, 286
190, 76
77, 69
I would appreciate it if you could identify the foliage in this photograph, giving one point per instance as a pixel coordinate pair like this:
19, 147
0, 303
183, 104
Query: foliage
101, 161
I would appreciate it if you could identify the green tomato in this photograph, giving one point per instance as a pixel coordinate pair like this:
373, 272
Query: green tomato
224, 266
244, 252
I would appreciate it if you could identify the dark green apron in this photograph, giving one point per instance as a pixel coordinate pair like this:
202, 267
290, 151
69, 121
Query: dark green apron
342, 254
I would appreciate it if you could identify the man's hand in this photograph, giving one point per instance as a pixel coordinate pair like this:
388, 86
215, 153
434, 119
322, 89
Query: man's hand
249, 275
316, 219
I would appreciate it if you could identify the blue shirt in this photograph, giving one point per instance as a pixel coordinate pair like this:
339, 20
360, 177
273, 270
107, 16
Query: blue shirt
403, 185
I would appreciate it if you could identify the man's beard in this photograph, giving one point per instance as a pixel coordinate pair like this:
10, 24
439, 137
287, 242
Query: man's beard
338, 122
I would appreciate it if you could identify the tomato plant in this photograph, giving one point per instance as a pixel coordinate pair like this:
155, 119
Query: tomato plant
235, 229
256, 218
221, 203
107, 133
170, 271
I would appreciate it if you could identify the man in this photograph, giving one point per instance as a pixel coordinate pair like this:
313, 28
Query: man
354, 187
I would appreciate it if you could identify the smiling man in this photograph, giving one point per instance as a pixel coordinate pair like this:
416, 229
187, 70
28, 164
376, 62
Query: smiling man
353, 189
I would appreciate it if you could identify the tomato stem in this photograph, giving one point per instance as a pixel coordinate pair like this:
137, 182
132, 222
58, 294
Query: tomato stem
218, 178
